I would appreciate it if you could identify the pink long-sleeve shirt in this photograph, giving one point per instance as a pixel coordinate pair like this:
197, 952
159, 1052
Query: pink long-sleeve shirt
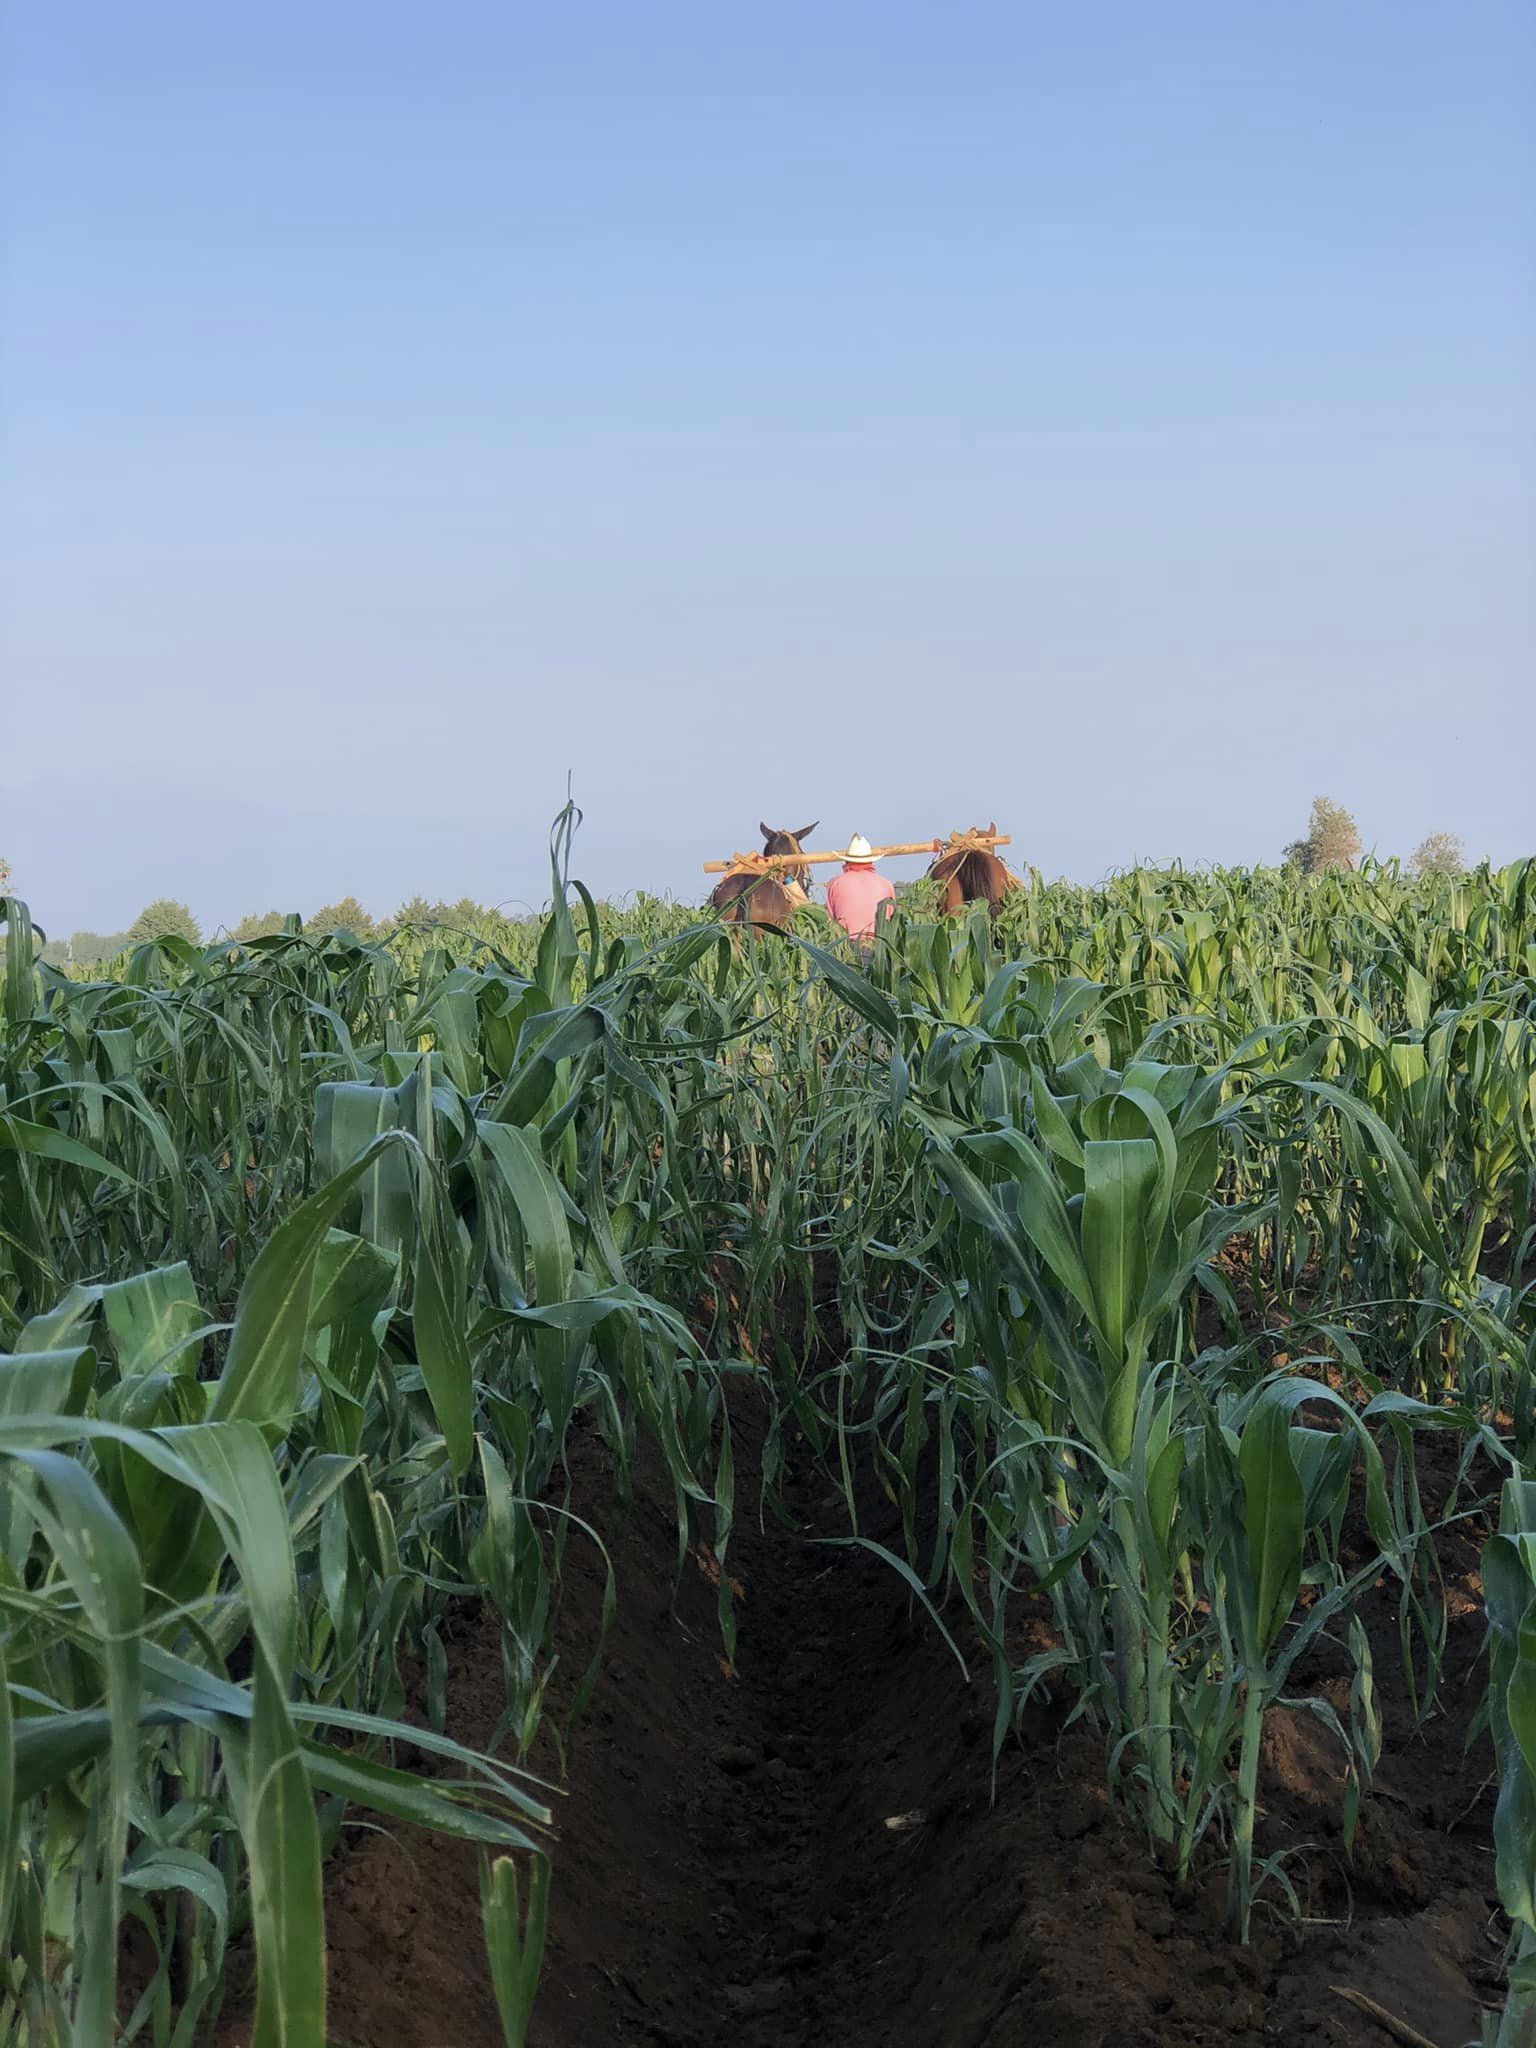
855, 895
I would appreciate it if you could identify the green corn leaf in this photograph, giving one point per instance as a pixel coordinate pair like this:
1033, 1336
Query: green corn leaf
546, 1231
153, 1318
282, 1841
353, 1276
169, 1869
245, 1498
1051, 1121
350, 1119
20, 972
42, 1142
260, 1378
1410, 1206
447, 1809
856, 990
1163, 1496
1273, 1515
537, 1069
10, 1811
1042, 1210
515, 1949
440, 1317
1121, 1179
97, 1556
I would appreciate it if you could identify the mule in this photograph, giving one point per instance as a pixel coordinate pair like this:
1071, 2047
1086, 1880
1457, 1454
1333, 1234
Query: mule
767, 899
971, 874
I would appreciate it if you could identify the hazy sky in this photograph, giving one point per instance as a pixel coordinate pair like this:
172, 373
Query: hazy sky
1120, 421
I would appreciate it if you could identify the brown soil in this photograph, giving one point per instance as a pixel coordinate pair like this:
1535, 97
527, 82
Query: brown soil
728, 1871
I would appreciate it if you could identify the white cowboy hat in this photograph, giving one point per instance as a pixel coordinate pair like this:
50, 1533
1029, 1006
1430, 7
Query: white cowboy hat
859, 851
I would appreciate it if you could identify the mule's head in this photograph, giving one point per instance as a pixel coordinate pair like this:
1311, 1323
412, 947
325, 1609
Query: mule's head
789, 842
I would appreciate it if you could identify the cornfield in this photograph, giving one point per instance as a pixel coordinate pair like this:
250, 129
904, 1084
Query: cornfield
1133, 1243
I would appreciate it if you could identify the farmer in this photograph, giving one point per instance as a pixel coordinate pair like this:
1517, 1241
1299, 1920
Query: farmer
855, 895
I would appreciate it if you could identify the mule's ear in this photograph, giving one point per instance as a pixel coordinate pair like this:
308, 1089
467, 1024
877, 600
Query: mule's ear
992, 829
766, 830
806, 830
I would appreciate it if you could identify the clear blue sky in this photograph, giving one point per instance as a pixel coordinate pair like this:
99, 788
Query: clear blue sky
1120, 421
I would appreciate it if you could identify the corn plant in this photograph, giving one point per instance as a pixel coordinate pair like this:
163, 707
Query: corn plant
1121, 1233
1509, 1581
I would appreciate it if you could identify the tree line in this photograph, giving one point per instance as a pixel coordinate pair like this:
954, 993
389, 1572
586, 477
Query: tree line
166, 917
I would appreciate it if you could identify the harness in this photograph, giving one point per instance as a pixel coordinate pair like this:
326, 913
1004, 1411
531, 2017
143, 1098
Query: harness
954, 851
766, 867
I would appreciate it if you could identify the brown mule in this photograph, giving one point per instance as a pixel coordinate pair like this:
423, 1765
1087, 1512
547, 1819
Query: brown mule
766, 898
971, 874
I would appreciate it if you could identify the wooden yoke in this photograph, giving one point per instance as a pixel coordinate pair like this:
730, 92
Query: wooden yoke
765, 863
971, 842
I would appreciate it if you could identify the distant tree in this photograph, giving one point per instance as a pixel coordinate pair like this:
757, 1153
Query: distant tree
1332, 841
1301, 855
466, 914
263, 924
5, 876
1439, 853
162, 919
346, 916
1334, 835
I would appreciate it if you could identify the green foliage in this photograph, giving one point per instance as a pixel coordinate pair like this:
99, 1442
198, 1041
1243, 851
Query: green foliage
464, 916
1159, 1218
1509, 1577
264, 924
514, 1941
1301, 855
416, 910
346, 916
164, 918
